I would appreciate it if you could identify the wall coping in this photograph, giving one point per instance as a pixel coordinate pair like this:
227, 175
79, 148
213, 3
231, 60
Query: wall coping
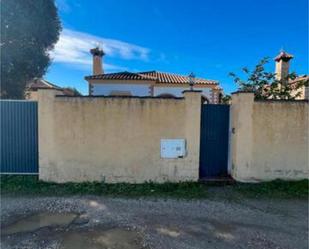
118, 97
17, 100
283, 100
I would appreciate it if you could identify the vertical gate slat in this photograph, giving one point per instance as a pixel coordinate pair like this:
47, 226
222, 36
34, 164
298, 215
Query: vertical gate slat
214, 140
19, 140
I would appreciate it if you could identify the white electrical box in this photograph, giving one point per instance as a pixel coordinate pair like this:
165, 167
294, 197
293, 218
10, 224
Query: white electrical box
173, 148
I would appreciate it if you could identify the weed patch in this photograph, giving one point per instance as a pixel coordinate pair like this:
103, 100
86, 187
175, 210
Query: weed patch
31, 185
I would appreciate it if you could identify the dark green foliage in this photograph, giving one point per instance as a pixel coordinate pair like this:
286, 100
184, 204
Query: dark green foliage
29, 29
264, 85
30, 185
226, 99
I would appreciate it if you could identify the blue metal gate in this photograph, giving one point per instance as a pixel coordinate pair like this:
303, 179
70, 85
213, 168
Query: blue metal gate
19, 137
214, 140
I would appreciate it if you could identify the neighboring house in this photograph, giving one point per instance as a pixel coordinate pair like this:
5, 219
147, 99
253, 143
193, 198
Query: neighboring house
282, 72
31, 92
304, 90
150, 83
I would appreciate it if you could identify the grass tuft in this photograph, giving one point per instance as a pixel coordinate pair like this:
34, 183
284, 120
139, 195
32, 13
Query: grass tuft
275, 189
31, 185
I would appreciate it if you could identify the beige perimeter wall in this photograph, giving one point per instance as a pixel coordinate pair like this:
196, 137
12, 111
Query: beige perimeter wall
116, 139
269, 139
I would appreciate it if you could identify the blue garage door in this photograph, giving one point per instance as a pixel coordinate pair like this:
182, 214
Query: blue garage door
19, 137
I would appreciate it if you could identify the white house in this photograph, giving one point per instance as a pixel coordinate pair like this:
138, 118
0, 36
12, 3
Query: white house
150, 83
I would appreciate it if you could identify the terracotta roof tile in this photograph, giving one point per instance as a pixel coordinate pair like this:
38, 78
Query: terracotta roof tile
38, 83
158, 77
283, 56
120, 76
175, 78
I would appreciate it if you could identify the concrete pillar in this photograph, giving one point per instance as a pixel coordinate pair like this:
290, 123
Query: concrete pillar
192, 114
241, 138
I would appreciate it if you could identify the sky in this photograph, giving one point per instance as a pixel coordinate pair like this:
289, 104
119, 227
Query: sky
208, 37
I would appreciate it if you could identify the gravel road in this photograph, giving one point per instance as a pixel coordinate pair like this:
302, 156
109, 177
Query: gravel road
100, 222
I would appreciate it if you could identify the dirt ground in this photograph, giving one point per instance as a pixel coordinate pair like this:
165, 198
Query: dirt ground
100, 222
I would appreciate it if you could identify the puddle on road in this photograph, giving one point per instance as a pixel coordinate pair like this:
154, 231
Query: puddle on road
221, 227
222, 230
116, 238
168, 231
37, 221
109, 239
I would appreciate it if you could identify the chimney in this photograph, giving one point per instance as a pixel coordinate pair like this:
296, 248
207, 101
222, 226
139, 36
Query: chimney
282, 66
97, 65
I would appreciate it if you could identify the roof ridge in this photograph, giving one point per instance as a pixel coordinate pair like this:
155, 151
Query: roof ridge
151, 71
50, 84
